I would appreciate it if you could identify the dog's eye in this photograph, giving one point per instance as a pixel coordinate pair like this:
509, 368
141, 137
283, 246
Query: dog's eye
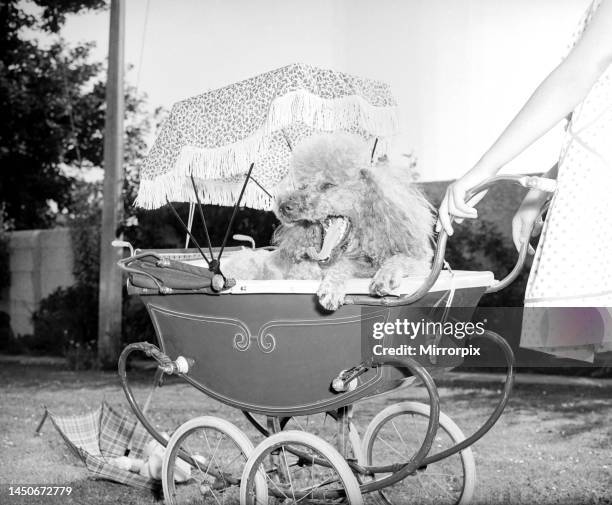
326, 185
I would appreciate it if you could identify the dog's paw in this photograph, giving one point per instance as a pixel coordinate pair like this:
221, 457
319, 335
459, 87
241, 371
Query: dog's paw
385, 282
330, 297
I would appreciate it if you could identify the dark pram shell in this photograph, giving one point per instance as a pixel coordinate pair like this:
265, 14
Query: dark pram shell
277, 353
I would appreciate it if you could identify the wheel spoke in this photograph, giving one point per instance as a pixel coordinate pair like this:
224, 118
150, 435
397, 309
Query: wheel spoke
276, 486
235, 458
288, 472
210, 462
215, 497
390, 446
438, 485
214, 455
212, 459
300, 426
398, 433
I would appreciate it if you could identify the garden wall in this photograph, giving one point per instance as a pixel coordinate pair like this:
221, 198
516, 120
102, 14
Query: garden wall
40, 262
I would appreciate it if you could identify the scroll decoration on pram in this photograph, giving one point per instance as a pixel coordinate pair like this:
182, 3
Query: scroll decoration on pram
215, 136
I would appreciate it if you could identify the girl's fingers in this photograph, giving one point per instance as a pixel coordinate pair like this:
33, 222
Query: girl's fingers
517, 233
444, 217
438, 226
476, 198
460, 214
460, 208
537, 227
456, 210
517, 243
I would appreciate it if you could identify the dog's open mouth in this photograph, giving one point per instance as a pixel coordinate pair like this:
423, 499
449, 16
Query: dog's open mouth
335, 232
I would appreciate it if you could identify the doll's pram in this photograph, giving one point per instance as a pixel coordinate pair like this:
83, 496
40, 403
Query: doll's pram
266, 348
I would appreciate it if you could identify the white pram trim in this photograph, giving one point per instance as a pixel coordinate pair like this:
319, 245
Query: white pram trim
462, 280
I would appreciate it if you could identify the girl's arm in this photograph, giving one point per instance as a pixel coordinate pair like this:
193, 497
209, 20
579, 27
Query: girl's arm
565, 87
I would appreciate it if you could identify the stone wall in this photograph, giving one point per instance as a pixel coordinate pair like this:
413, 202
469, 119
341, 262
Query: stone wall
41, 261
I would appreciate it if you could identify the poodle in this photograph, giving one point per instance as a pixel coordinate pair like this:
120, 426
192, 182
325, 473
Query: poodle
346, 218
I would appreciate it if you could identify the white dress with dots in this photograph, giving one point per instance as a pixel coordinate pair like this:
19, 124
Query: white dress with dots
572, 266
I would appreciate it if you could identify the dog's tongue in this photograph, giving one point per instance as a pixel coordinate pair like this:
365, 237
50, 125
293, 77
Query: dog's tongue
335, 230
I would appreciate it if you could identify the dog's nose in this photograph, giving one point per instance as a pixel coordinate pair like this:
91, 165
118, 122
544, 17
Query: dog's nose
286, 207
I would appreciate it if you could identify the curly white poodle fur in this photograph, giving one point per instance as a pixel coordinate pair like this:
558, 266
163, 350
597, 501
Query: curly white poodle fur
346, 218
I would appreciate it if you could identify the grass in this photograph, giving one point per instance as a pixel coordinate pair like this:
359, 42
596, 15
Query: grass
553, 444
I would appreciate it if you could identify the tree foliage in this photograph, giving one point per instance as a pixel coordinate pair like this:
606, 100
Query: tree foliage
52, 109
52, 102
54, 11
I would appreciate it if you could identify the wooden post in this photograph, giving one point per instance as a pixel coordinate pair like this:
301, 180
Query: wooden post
109, 325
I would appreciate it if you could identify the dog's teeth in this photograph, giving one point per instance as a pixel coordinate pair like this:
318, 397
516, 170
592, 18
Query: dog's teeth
334, 231
314, 254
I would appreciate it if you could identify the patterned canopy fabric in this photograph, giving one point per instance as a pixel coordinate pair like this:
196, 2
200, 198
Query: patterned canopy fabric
215, 137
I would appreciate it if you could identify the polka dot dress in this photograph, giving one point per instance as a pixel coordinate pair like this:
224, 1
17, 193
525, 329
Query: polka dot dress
573, 263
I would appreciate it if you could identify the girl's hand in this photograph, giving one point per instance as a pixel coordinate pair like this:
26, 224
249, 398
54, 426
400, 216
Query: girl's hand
454, 207
526, 222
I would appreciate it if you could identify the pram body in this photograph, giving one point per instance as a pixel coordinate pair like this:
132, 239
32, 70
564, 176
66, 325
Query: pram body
275, 351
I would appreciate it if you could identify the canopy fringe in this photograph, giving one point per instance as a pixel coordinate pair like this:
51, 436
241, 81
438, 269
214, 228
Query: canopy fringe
176, 186
153, 194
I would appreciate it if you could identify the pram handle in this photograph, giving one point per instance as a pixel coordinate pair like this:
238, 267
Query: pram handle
526, 181
165, 366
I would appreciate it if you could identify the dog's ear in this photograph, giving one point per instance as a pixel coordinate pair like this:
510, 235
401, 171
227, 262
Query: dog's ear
293, 240
395, 217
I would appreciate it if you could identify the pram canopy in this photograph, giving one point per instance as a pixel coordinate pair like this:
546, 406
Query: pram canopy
214, 137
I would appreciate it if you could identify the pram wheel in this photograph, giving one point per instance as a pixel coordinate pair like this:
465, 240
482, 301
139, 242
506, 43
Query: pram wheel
299, 468
214, 451
395, 434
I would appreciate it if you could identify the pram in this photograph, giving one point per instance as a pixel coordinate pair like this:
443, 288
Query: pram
265, 348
